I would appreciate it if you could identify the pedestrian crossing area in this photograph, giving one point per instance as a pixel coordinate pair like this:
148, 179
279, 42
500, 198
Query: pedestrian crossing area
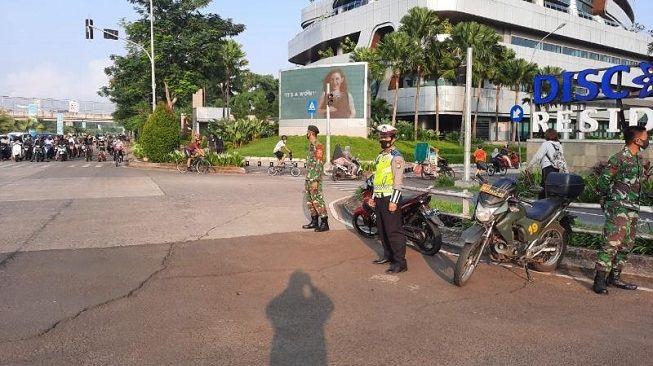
11, 165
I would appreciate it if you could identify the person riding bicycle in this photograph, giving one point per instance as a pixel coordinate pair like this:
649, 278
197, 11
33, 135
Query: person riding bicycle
193, 150
118, 147
281, 150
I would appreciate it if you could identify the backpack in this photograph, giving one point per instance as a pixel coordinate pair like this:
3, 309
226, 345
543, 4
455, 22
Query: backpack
558, 161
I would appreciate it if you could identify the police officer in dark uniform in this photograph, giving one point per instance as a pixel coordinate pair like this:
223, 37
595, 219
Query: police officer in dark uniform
388, 181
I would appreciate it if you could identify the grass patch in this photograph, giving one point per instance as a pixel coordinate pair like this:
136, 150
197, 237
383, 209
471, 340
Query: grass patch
447, 206
365, 149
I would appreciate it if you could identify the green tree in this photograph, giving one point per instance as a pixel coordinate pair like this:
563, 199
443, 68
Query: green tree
422, 25
499, 79
234, 62
160, 134
441, 63
375, 64
393, 50
188, 56
485, 43
7, 123
519, 73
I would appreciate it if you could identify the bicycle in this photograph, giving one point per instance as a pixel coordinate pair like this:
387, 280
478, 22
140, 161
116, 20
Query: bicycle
281, 169
198, 164
117, 157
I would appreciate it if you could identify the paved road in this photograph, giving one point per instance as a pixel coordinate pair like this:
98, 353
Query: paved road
159, 268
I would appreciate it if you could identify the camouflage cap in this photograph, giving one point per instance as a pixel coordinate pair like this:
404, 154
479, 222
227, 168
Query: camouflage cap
313, 128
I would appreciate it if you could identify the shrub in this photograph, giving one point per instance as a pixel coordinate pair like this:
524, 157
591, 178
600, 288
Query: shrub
226, 159
444, 181
240, 132
137, 150
160, 134
453, 136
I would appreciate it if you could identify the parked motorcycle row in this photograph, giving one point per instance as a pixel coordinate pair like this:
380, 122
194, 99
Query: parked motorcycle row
506, 227
46, 147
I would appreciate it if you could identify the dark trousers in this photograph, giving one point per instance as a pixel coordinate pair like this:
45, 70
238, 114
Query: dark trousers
391, 232
545, 172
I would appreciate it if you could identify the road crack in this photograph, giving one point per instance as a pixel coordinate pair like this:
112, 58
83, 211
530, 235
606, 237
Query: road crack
208, 232
38, 231
132, 292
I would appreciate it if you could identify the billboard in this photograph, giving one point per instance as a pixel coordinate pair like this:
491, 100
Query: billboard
302, 92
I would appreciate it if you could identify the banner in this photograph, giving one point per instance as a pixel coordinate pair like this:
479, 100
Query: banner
299, 87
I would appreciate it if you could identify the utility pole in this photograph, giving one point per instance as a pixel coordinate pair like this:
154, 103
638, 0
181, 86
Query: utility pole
467, 118
328, 121
152, 55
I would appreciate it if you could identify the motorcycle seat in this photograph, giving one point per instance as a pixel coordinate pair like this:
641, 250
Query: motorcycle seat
543, 209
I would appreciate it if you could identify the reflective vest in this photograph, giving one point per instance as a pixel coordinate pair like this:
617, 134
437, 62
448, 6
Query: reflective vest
383, 177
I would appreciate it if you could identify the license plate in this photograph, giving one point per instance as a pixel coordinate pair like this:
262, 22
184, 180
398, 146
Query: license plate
486, 188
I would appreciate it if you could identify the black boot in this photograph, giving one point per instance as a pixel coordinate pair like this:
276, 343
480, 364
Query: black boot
312, 224
600, 284
615, 280
324, 224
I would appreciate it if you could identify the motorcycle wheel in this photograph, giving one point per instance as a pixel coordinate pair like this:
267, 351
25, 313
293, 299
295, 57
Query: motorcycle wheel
426, 175
335, 176
363, 227
450, 173
503, 170
360, 175
466, 264
551, 260
295, 171
433, 240
491, 170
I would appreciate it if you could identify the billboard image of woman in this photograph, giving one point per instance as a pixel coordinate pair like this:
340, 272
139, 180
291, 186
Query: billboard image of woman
343, 102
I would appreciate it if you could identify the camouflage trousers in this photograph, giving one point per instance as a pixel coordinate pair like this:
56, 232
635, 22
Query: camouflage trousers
315, 199
620, 231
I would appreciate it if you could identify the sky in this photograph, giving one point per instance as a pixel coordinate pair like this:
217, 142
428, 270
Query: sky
44, 54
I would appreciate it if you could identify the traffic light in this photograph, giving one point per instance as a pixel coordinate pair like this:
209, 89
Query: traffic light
89, 28
110, 33
330, 98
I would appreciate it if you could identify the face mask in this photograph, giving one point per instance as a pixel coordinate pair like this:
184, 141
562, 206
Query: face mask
385, 144
644, 144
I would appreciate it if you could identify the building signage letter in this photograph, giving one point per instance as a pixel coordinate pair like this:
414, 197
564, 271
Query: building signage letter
593, 89
585, 120
607, 80
538, 89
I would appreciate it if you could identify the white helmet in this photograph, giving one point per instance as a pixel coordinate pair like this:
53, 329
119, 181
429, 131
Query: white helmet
386, 130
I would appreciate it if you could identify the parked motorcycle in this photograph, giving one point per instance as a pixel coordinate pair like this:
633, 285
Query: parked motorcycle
421, 223
342, 172
17, 151
514, 230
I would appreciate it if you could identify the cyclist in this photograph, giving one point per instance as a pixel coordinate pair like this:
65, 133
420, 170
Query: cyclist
281, 150
193, 150
118, 148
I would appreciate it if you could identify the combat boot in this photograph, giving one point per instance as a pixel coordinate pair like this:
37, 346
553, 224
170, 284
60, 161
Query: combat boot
615, 280
600, 285
312, 224
324, 224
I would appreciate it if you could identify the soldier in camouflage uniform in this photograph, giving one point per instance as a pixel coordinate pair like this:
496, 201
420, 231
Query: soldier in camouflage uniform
313, 185
620, 188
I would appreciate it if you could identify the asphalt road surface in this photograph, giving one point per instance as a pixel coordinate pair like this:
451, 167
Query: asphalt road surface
117, 266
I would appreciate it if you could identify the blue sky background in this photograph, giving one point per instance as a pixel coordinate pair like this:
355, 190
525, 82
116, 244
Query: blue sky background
43, 52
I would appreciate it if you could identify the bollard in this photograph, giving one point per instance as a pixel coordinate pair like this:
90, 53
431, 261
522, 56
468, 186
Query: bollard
246, 162
271, 164
259, 163
466, 204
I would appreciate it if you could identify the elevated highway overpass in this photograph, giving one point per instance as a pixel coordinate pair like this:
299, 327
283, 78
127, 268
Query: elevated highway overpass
47, 109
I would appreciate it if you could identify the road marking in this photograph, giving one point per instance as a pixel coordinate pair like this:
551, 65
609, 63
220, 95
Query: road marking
72, 166
86, 165
99, 166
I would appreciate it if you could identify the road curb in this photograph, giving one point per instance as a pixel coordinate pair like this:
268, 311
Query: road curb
575, 258
169, 166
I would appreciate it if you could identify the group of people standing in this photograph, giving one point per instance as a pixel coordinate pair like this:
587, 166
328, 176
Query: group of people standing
619, 185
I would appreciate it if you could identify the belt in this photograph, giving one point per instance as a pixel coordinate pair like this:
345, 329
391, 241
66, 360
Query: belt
382, 195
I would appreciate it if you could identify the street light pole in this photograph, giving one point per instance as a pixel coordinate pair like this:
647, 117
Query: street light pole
537, 47
152, 56
467, 118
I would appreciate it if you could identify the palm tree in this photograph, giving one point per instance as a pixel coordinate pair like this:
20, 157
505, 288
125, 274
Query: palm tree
498, 78
519, 72
234, 61
375, 74
485, 43
392, 50
440, 64
422, 25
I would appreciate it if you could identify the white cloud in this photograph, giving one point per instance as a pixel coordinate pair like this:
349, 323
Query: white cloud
47, 80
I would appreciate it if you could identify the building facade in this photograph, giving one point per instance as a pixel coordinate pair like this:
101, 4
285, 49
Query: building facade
586, 34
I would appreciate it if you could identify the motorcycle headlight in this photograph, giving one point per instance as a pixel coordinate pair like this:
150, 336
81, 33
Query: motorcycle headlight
484, 214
